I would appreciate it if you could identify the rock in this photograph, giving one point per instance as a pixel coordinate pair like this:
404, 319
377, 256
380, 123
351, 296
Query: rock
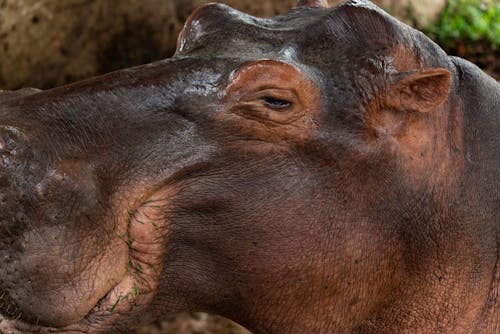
46, 43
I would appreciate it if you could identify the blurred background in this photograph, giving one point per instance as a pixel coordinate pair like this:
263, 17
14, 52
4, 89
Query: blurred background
48, 43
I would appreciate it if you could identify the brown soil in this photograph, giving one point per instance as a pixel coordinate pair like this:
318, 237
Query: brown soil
197, 323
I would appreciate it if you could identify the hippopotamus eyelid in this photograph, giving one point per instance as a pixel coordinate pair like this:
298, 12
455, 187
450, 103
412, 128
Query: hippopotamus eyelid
275, 103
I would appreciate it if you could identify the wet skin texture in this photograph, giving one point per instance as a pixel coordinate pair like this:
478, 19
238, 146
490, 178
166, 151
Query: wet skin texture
324, 171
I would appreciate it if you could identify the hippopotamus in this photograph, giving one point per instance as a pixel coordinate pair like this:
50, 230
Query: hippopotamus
328, 170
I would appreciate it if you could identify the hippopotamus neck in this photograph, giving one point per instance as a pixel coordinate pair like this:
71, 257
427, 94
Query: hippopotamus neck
480, 104
480, 108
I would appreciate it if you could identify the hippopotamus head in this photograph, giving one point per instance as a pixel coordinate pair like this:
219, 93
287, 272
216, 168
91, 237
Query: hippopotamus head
315, 172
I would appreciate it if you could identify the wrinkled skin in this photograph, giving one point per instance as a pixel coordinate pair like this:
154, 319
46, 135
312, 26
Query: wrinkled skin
324, 171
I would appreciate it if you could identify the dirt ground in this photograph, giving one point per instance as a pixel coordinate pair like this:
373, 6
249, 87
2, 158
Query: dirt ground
198, 323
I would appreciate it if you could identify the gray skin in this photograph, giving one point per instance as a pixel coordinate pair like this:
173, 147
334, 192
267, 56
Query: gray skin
323, 171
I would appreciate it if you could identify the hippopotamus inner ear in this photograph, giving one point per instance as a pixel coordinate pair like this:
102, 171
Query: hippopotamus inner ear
312, 3
421, 91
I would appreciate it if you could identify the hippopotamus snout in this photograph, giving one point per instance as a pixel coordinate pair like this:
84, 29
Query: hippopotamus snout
11, 214
18, 170
16, 174
83, 193
43, 207
13, 143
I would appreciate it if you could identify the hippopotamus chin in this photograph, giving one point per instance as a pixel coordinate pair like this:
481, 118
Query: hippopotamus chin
328, 170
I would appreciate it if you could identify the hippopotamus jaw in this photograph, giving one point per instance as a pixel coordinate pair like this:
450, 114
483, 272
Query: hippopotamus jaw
145, 237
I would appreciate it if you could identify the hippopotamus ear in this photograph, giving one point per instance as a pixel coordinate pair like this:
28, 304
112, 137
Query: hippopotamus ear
420, 91
312, 3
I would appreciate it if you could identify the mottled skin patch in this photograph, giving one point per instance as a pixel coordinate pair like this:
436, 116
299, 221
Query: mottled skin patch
329, 170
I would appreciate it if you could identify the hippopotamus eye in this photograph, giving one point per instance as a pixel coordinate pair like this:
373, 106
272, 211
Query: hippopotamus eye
275, 103
273, 93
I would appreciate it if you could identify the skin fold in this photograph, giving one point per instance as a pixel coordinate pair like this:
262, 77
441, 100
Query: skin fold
328, 170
